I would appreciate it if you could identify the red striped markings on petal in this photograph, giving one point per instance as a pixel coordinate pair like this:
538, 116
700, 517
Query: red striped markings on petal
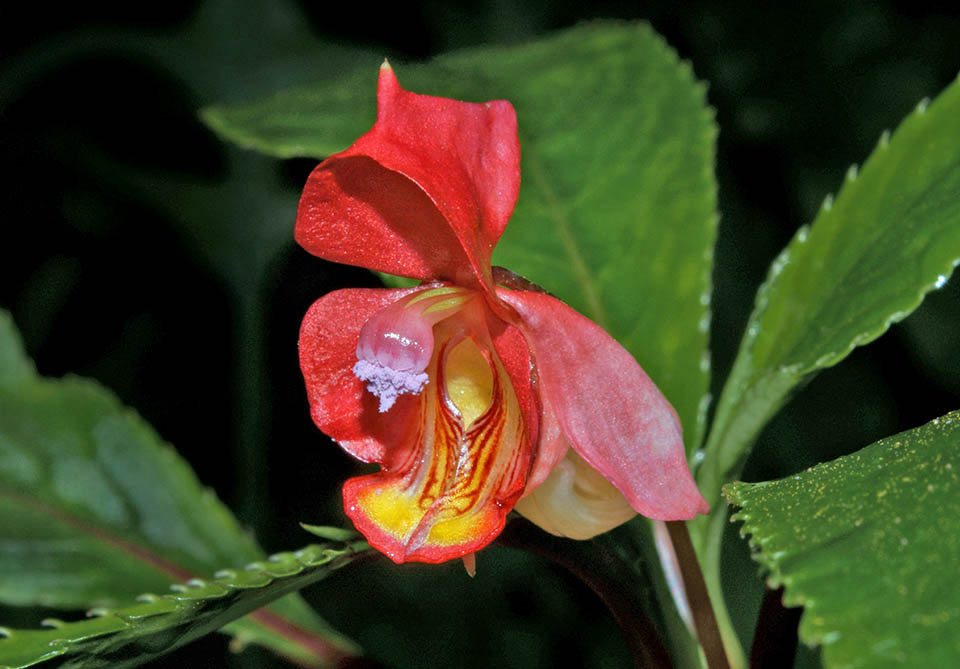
445, 490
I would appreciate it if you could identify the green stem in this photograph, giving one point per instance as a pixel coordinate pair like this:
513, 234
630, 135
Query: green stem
733, 433
708, 549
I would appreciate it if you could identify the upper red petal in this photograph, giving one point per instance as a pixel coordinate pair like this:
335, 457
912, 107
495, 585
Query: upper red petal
608, 408
362, 207
355, 211
339, 403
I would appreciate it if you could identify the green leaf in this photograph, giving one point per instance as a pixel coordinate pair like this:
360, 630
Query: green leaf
869, 544
330, 533
617, 205
891, 236
95, 509
617, 213
133, 635
15, 366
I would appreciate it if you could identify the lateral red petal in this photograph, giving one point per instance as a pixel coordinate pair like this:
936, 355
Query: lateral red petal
551, 447
542, 427
612, 414
339, 403
515, 355
465, 158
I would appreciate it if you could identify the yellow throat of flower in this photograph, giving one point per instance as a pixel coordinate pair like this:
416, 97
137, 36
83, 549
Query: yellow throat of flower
469, 381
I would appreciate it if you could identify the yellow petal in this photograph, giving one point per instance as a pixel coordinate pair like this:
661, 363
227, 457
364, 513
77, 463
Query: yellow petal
469, 381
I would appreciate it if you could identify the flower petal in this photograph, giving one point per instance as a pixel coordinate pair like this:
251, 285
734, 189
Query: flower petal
610, 411
542, 426
446, 488
552, 445
575, 501
514, 352
463, 158
339, 402
355, 211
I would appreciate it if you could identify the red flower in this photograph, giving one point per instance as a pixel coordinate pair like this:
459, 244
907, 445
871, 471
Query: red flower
468, 394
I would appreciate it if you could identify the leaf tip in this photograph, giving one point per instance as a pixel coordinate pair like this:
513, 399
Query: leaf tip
330, 533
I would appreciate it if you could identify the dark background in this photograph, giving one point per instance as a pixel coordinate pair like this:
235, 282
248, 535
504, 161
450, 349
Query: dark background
140, 250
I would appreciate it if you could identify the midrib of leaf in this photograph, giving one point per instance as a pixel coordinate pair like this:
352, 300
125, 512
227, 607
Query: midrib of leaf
269, 619
577, 263
141, 553
286, 628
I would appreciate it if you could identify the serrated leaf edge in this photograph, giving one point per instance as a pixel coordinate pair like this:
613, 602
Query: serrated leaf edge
186, 595
770, 561
826, 210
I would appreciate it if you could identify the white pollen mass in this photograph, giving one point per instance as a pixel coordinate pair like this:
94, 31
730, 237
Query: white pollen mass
388, 384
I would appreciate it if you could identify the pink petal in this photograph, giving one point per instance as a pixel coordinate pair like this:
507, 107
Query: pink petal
339, 402
462, 158
551, 447
544, 430
612, 414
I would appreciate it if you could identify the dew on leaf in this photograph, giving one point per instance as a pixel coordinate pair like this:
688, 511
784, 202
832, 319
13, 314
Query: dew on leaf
830, 637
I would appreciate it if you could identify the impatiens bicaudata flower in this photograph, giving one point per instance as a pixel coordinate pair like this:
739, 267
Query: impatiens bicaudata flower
474, 395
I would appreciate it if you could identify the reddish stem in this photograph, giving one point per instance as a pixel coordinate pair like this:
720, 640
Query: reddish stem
708, 632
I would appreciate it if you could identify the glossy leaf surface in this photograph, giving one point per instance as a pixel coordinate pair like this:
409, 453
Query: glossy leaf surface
869, 544
617, 203
133, 635
95, 509
891, 236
